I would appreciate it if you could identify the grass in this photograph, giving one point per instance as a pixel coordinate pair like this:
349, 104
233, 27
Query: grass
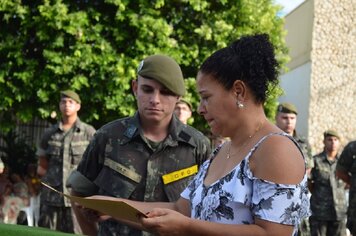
19, 230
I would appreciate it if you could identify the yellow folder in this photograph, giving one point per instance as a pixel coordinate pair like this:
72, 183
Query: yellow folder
116, 209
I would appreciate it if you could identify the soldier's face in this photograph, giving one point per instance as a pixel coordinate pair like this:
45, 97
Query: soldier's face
183, 112
331, 143
155, 102
286, 122
68, 107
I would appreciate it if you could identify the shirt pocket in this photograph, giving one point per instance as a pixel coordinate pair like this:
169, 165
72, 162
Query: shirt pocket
54, 149
323, 175
117, 180
77, 151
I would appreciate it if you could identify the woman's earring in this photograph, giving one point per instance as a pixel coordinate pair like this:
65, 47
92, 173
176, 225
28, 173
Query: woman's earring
240, 104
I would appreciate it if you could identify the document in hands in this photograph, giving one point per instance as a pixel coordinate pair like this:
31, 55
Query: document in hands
115, 209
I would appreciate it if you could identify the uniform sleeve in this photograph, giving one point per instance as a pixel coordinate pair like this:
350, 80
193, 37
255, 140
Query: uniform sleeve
82, 179
308, 156
204, 150
43, 145
91, 131
80, 184
312, 172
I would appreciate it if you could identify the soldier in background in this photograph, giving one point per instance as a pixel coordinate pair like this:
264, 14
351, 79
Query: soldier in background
286, 120
328, 202
59, 152
151, 156
183, 110
346, 170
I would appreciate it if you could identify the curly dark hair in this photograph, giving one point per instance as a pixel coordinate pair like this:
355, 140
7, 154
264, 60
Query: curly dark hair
250, 59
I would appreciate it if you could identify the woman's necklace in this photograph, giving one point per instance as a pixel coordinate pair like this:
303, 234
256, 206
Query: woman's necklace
247, 140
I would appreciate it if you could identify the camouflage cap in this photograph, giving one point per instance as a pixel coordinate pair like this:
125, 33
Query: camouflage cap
287, 108
71, 94
165, 70
184, 100
331, 132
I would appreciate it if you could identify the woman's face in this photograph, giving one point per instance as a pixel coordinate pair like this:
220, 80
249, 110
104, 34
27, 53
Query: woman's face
217, 104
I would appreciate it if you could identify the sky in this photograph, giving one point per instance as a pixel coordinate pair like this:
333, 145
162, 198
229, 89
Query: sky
288, 5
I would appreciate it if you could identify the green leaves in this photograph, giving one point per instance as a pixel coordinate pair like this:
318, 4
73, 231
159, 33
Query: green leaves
94, 47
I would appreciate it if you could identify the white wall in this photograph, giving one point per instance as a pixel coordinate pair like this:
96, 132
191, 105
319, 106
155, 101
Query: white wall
296, 86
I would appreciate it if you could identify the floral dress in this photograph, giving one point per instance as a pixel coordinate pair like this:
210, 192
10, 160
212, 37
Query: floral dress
239, 197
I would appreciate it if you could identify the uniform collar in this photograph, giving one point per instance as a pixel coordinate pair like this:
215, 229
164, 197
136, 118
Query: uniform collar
298, 137
325, 156
176, 131
77, 126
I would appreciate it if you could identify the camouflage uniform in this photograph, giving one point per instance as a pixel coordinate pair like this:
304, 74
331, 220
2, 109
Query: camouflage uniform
328, 203
304, 227
121, 162
347, 164
63, 151
306, 149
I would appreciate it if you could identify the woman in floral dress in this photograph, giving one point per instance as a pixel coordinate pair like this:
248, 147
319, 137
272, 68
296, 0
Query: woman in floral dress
254, 184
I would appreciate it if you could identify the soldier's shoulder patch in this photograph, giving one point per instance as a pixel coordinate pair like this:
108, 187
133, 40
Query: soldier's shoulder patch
185, 136
130, 131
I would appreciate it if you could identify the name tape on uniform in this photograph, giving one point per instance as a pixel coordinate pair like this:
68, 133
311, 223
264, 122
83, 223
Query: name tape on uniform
122, 170
179, 174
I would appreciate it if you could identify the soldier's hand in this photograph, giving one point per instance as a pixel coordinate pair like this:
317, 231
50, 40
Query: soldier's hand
92, 215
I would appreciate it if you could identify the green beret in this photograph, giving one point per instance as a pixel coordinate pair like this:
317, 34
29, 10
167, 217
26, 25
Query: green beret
165, 70
71, 94
331, 132
184, 100
287, 108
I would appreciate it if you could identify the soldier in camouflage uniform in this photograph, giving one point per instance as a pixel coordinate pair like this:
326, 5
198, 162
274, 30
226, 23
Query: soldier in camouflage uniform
183, 110
286, 120
346, 170
60, 151
328, 202
151, 156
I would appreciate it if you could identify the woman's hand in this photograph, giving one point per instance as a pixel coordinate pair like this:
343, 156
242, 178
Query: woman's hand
163, 222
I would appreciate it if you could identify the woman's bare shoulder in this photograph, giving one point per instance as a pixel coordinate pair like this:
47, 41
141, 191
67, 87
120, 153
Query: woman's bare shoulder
278, 159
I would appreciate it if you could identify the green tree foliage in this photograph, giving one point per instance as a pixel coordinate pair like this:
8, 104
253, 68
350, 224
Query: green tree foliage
94, 47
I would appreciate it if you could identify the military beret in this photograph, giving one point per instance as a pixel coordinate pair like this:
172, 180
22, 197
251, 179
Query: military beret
331, 132
287, 108
184, 100
165, 70
71, 94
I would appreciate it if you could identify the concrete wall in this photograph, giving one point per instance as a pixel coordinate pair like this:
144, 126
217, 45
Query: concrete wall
333, 77
321, 35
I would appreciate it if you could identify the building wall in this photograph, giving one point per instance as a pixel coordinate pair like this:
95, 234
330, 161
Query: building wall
296, 81
299, 27
295, 84
333, 71
321, 37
